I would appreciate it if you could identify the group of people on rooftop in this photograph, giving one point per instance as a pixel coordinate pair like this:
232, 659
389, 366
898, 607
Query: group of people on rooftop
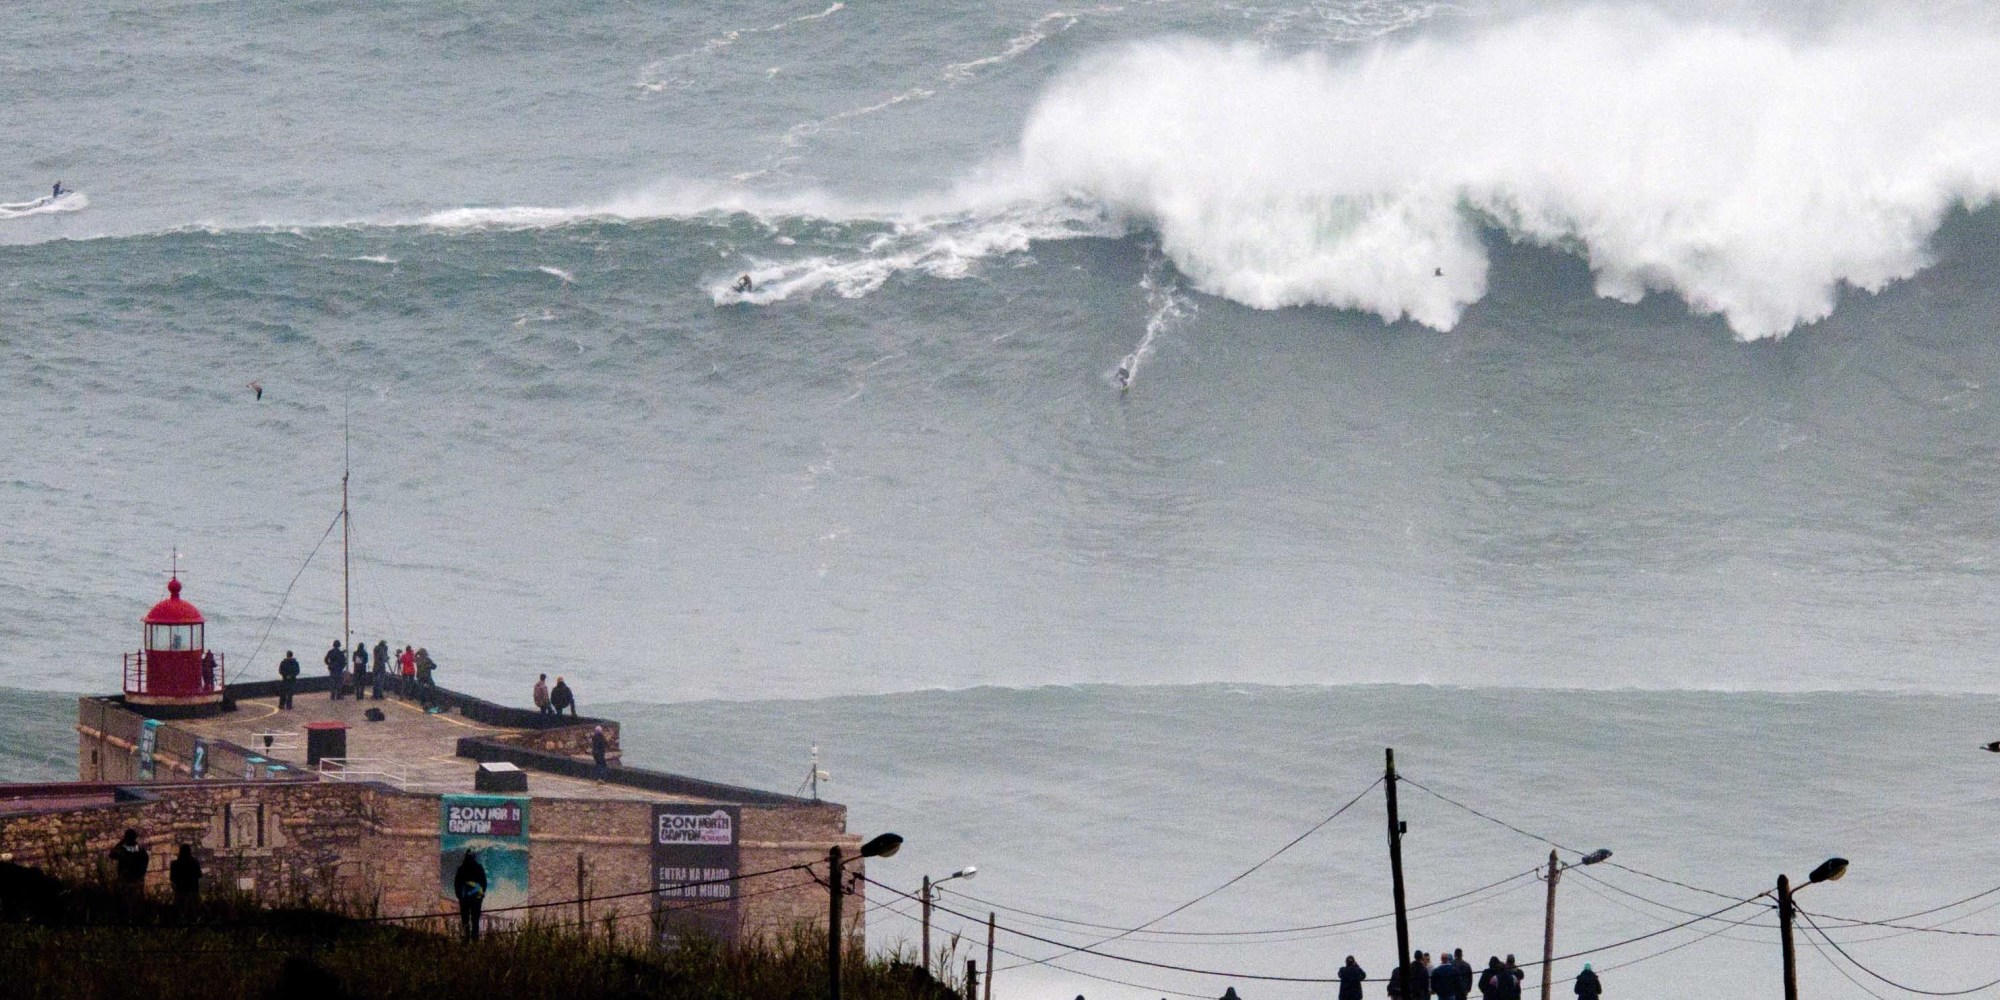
363, 675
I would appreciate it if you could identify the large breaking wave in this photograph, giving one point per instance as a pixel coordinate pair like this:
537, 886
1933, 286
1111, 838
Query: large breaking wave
1752, 173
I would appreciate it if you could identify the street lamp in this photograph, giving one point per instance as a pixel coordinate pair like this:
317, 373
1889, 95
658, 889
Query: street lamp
966, 872
882, 846
1829, 870
1556, 868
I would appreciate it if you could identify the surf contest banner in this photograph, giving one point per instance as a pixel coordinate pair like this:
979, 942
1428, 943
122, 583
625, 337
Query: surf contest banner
495, 826
149, 741
696, 858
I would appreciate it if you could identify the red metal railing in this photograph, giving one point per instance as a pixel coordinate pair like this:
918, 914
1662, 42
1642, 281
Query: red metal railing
135, 672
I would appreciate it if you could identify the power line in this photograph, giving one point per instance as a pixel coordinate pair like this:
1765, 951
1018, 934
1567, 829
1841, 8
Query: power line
1251, 933
1669, 881
1090, 949
1489, 819
1820, 949
1835, 945
1238, 877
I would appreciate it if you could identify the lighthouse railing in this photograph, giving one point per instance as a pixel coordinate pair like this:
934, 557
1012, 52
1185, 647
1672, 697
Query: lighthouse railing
135, 671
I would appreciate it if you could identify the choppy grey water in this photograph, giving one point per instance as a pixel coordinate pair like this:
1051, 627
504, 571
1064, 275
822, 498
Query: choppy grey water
1591, 364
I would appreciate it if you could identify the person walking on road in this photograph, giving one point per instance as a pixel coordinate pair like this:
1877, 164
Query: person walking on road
1587, 986
560, 698
288, 680
1352, 975
469, 885
381, 665
336, 665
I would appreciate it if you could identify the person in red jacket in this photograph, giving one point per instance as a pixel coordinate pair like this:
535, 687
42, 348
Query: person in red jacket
407, 661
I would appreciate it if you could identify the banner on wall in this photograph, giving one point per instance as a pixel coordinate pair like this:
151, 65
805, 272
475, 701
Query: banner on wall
696, 859
495, 826
149, 741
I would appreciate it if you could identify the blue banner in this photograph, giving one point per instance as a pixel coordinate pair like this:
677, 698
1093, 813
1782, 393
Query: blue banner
495, 826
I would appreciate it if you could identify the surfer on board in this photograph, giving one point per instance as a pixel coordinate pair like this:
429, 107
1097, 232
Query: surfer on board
258, 388
744, 284
1124, 376
56, 192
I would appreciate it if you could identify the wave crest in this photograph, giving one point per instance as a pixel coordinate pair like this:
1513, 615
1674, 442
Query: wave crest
1749, 173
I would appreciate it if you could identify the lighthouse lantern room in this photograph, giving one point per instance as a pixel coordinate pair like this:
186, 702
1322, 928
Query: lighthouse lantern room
174, 669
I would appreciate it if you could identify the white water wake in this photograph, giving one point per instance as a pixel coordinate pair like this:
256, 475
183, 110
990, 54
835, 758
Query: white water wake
71, 201
1166, 306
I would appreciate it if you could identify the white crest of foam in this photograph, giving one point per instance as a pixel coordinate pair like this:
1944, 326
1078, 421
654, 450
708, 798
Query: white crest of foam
1751, 173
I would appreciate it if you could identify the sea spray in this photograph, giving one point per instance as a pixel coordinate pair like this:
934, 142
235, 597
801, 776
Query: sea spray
1752, 174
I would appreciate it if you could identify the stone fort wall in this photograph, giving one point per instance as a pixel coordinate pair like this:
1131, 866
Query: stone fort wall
375, 848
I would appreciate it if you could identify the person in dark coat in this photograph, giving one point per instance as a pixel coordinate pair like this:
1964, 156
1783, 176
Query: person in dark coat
381, 665
426, 684
132, 859
208, 670
598, 746
288, 679
1464, 973
184, 874
336, 665
1444, 978
1510, 981
360, 662
1415, 982
1489, 979
1352, 976
1230, 994
560, 698
469, 885
1587, 986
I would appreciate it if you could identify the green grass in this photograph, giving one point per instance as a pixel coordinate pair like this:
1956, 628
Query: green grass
97, 946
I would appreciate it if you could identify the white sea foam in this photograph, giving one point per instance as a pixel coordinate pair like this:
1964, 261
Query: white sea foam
1750, 173
558, 273
72, 201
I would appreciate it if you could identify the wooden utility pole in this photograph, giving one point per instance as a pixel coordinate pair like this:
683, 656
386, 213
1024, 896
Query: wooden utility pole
989, 955
927, 926
833, 933
1549, 927
1396, 869
1785, 937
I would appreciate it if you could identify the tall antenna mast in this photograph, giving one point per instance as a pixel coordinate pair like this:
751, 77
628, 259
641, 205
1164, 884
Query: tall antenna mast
346, 560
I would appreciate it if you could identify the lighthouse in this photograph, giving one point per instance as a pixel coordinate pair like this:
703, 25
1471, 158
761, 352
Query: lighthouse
168, 674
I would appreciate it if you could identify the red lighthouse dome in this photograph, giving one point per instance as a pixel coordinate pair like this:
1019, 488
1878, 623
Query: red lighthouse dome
174, 668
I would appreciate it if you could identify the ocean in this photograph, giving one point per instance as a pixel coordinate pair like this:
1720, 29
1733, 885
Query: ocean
1586, 401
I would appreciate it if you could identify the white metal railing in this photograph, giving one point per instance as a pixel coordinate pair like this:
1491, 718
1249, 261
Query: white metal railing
391, 772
